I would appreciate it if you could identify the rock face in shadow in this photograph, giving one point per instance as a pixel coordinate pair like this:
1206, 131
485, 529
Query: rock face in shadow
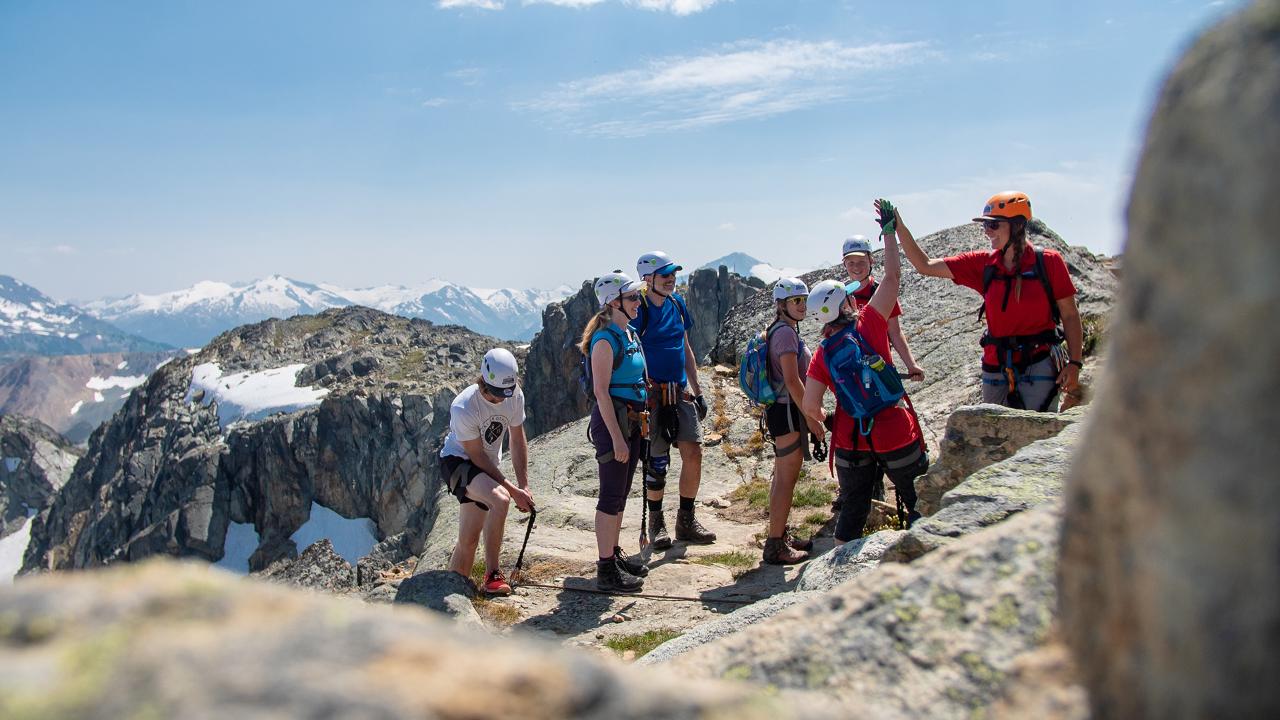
1171, 544
551, 371
34, 462
165, 639
939, 318
167, 475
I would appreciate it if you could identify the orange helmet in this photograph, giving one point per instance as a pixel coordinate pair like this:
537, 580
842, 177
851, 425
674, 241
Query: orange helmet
1006, 206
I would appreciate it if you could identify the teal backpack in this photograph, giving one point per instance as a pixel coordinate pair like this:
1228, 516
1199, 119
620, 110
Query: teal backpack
753, 369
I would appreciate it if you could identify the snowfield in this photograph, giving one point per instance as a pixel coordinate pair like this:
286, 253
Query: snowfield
252, 395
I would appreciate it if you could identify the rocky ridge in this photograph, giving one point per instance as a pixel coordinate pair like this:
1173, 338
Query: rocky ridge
34, 463
175, 469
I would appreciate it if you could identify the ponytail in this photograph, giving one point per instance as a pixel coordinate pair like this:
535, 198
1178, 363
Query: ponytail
594, 325
1018, 238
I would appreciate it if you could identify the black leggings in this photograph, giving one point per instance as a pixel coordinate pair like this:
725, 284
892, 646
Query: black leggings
858, 470
615, 477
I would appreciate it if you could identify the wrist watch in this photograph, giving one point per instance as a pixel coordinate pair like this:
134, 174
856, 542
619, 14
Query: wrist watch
1077, 363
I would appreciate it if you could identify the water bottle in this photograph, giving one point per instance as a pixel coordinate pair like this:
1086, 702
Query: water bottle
875, 362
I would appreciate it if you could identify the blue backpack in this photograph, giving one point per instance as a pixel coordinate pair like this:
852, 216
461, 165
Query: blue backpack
865, 382
753, 369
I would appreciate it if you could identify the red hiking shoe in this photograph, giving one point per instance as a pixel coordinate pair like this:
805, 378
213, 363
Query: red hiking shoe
495, 584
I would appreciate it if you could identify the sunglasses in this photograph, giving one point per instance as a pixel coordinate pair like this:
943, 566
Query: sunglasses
666, 275
632, 297
992, 224
798, 300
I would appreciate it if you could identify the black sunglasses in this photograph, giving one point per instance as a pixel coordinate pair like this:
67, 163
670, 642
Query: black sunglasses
992, 224
632, 297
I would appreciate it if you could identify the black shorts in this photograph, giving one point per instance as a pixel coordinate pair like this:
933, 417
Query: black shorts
457, 473
783, 419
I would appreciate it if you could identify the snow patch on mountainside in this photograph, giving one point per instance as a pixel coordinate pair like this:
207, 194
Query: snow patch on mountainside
252, 395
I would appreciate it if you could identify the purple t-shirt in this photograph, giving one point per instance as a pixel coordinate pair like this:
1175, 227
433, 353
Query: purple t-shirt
783, 341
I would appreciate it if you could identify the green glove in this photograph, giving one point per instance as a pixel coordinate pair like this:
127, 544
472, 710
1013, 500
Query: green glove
887, 219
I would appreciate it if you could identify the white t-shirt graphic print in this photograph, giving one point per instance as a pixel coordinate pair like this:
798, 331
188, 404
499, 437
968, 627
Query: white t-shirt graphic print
472, 417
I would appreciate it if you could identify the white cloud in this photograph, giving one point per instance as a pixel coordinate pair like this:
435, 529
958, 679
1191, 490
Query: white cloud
436, 102
467, 75
727, 227
744, 80
482, 4
677, 7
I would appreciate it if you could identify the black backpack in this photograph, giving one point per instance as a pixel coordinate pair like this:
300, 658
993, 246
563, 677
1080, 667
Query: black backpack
1038, 271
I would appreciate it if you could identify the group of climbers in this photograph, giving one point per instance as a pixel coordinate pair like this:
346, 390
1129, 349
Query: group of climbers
1031, 352
640, 371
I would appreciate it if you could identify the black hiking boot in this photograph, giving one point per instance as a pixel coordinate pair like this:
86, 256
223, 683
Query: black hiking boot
658, 537
795, 543
610, 577
631, 563
777, 552
688, 529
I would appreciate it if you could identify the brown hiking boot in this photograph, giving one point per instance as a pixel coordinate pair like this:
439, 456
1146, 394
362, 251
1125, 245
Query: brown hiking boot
688, 529
796, 543
658, 537
777, 552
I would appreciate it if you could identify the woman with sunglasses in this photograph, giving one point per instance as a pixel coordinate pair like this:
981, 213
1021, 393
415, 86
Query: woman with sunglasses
788, 360
618, 387
1026, 293
891, 441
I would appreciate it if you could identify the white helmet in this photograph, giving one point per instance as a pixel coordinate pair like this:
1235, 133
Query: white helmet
788, 288
856, 244
498, 371
610, 286
826, 298
655, 262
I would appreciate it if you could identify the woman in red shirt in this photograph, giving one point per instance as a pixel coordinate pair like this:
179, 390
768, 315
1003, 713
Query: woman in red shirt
1022, 363
893, 443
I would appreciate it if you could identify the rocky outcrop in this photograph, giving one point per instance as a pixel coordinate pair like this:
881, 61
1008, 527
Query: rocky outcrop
936, 638
1171, 544
178, 465
34, 462
74, 394
939, 319
173, 640
1032, 477
319, 567
710, 295
551, 372
443, 591
979, 436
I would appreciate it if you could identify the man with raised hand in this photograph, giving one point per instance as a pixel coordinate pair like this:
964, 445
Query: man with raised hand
663, 325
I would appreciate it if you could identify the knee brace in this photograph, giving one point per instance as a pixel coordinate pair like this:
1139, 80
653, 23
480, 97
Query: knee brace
655, 473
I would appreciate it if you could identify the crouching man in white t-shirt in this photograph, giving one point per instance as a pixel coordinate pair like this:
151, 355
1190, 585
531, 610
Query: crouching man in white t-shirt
479, 418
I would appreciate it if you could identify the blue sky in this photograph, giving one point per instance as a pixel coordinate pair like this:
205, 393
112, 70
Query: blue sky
147, 145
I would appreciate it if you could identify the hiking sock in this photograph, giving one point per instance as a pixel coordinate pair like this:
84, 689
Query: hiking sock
686, 503
655, 506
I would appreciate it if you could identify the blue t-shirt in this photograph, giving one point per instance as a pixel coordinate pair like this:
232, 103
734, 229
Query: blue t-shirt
631, 372
663, 338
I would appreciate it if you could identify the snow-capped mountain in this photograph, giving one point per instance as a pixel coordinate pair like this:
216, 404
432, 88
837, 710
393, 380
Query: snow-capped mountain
747, 266
193, 316
32, 323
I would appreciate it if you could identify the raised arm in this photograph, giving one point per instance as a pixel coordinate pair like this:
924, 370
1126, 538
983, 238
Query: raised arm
886, 295
917, 256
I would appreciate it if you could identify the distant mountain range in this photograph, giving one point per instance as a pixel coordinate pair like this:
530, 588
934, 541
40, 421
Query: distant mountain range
749, 267
193, 316
32, 323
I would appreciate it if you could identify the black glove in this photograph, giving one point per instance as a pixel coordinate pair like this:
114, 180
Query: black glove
829, 422
701, 406
887, 218
669, 423
819, 450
